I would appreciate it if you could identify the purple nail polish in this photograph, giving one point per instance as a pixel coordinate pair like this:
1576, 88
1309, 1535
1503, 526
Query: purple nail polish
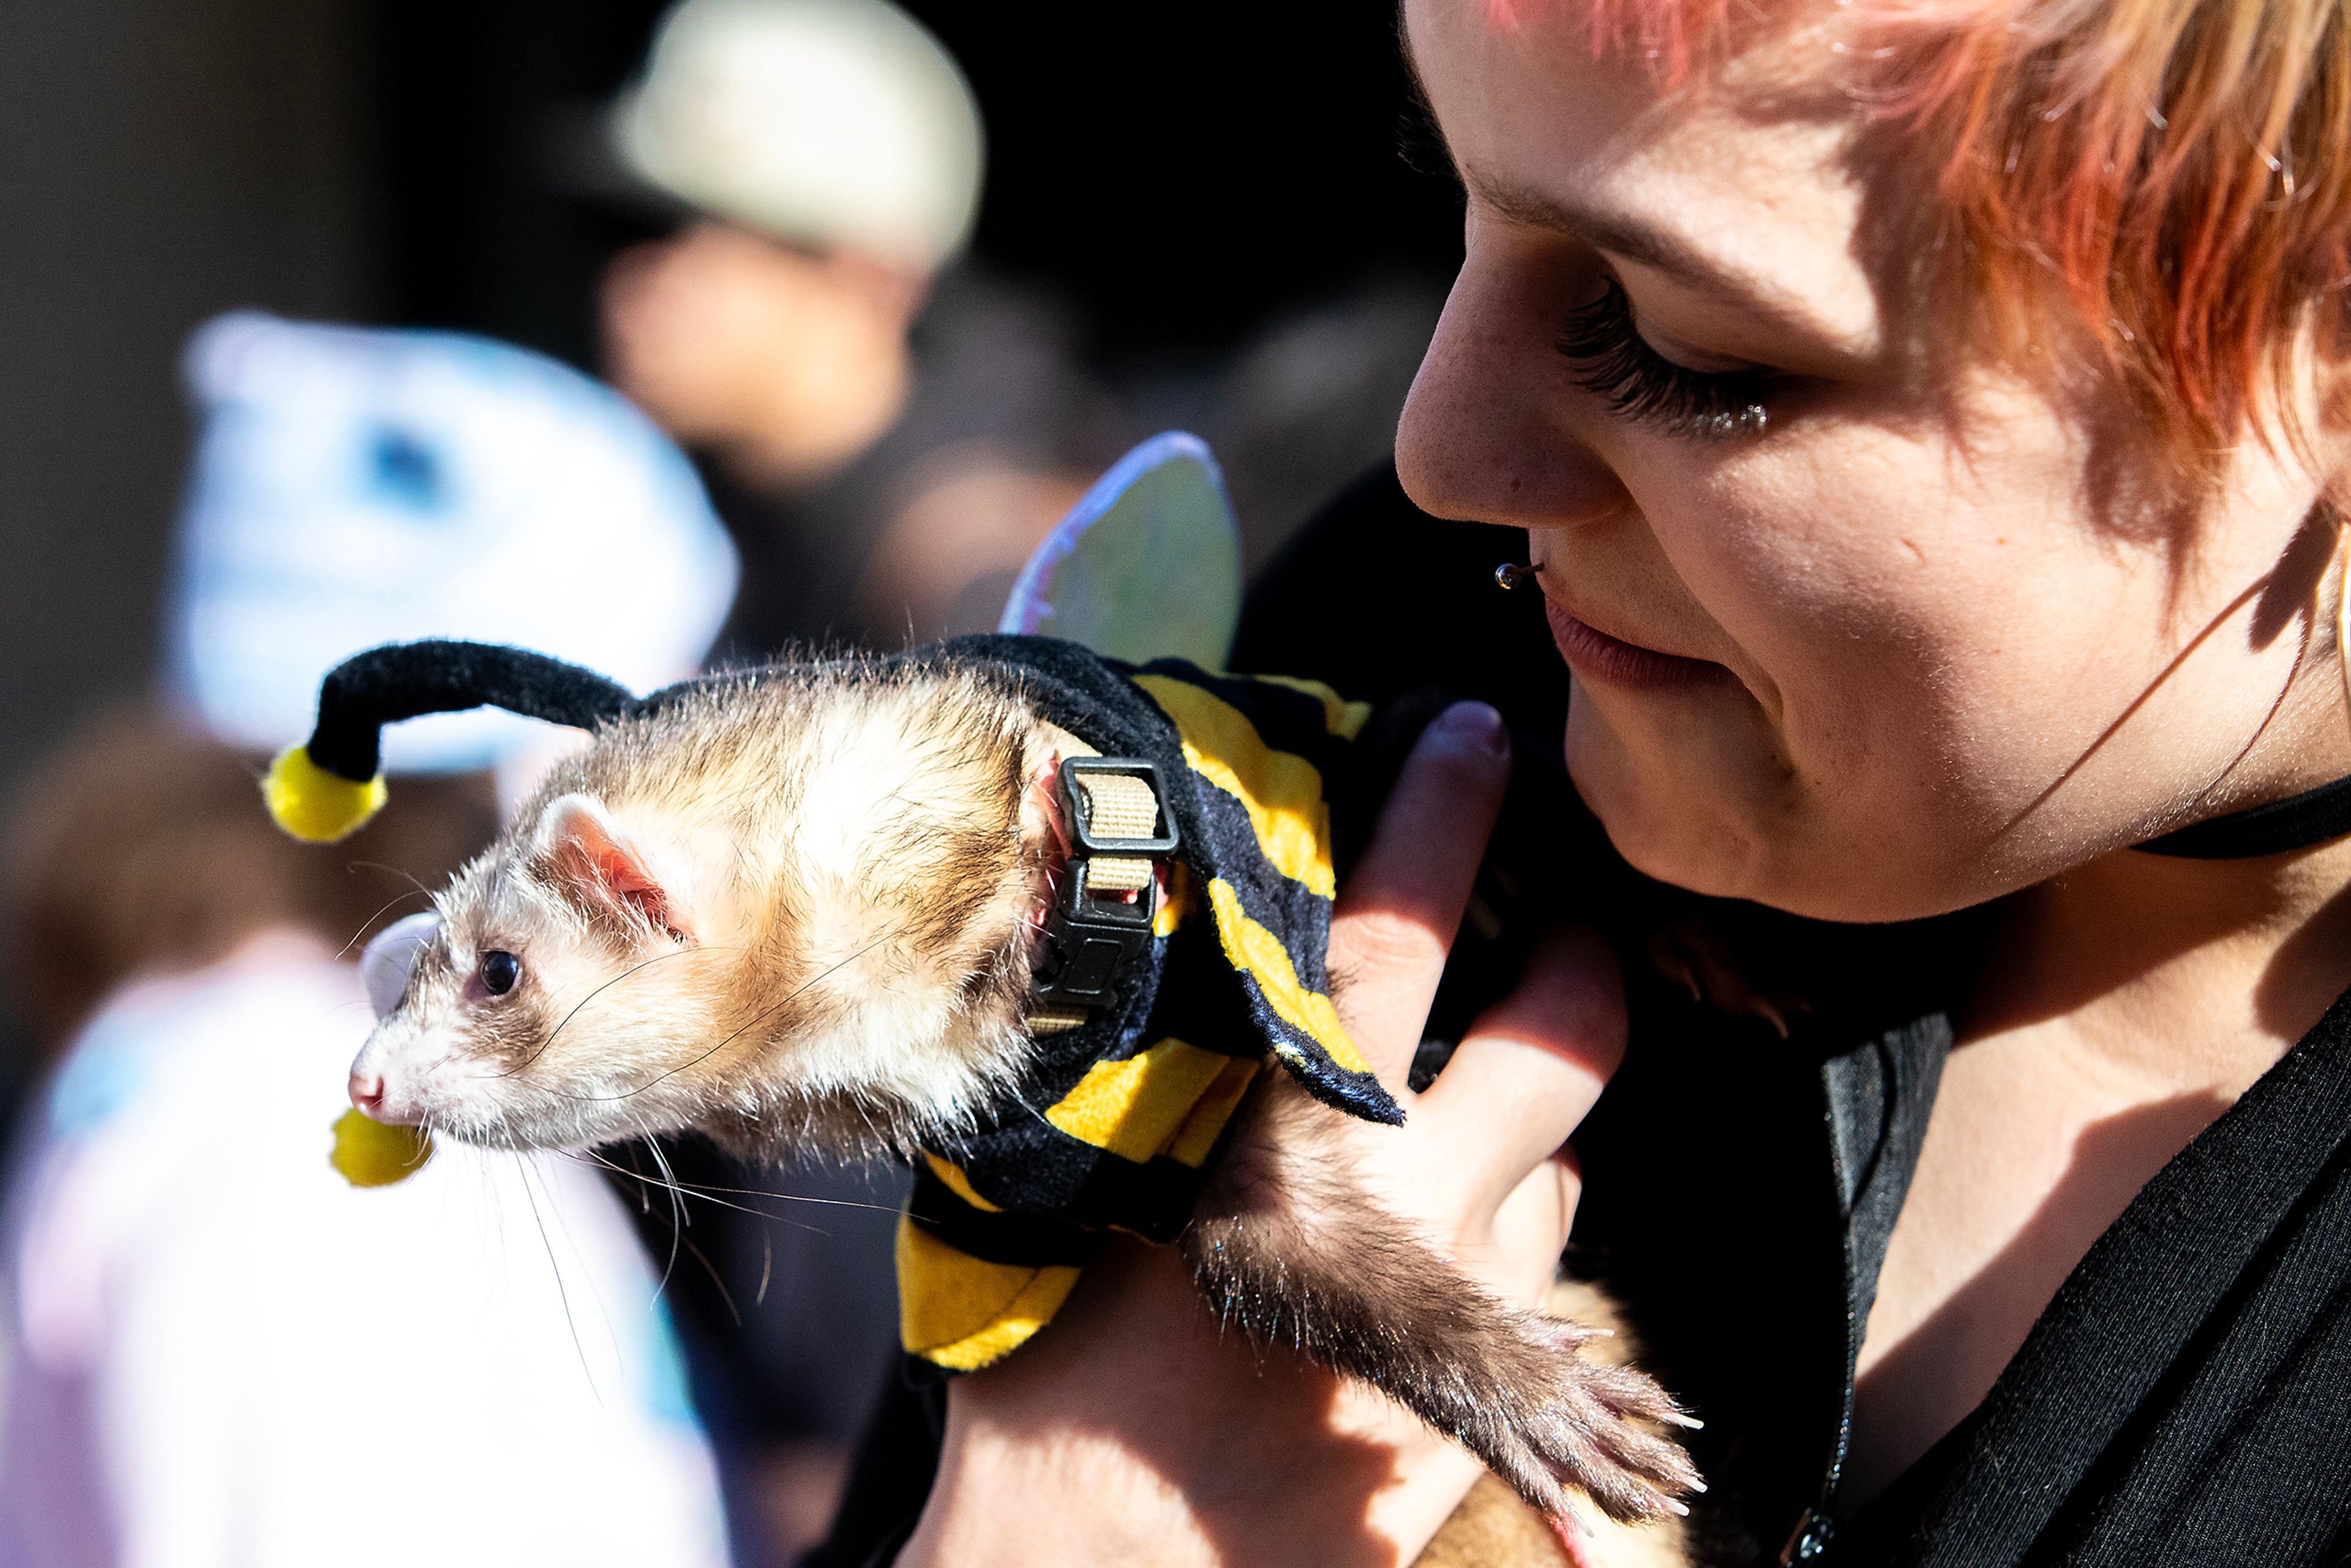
1476, 723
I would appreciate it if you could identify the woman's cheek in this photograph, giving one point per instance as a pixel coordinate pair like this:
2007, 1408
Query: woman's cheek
1799, 553
1856, 658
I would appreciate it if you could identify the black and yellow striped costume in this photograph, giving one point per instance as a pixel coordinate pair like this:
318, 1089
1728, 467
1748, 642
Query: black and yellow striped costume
1119, 1114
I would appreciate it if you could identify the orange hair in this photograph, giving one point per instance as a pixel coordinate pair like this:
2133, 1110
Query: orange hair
2181, 167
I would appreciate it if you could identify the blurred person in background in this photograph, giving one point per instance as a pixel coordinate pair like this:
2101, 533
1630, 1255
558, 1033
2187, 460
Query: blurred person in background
888, 434
218, 1351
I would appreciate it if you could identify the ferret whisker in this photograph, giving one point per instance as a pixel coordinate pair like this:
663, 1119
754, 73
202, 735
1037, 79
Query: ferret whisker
344, 951
677, 1215
757, 1019
533, 1166
716, 1283
708, 1195
410, 877
543, 1045
645, 1194
562, 1293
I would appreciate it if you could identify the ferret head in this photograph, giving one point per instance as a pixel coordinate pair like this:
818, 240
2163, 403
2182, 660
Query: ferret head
785, 910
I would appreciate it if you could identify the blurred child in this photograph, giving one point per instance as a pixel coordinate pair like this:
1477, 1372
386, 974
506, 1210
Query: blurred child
219, 1352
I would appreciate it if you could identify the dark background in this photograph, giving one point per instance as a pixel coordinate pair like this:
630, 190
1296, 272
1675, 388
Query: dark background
1182, 176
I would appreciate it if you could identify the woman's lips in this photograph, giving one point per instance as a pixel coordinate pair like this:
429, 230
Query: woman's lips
1596, 655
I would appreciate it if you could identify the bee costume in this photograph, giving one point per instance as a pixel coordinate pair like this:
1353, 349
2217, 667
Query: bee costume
1187, 941
1151, 1016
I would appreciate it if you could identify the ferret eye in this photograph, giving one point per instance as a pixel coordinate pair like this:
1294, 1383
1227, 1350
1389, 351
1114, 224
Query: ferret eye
499, 972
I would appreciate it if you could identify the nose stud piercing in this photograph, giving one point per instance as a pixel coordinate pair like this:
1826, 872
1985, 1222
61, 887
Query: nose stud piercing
1510, 574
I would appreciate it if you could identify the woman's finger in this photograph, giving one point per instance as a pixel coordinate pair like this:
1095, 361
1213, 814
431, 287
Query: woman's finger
1529, 1229
1530, 1068
1395, 918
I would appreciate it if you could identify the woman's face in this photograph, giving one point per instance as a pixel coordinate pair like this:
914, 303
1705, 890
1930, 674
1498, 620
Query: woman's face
1864, 621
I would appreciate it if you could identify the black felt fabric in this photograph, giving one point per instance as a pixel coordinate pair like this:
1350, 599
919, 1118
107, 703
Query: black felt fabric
406, 680
1094, 699
1049, 1193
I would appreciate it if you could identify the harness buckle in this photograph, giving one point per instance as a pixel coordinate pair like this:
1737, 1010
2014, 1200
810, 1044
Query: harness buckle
1094, 933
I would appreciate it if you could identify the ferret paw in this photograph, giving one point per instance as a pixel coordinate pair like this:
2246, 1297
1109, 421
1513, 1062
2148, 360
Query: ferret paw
1574, 1425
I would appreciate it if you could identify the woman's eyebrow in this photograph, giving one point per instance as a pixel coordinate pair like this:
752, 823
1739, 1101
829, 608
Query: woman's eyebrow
1628, 241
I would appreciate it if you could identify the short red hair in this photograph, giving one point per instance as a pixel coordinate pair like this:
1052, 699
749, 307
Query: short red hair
2181, 167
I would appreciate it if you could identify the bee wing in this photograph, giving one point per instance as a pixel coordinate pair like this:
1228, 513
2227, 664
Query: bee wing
1147, 566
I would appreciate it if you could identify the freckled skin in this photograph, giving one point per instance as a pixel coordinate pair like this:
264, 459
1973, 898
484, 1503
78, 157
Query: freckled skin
1952, 638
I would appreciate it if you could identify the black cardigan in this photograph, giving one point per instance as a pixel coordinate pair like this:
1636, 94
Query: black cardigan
2186, 1398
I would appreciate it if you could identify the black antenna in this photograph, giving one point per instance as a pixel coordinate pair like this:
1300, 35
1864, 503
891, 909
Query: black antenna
408, 680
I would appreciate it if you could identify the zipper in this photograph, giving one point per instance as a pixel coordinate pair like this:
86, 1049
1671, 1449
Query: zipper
1815, 1528
1815, 1532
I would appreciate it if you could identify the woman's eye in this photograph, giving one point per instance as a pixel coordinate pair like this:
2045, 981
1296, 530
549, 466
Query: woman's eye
499, 972
1617, 364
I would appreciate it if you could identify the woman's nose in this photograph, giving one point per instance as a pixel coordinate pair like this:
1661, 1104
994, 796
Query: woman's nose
1485, 435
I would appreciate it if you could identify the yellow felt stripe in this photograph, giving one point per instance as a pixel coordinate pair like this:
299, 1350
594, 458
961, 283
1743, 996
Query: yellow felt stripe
1340, 717
1199, 1134
962, 1312
1280, 790
1252, 949
1132, 1108
959, 1184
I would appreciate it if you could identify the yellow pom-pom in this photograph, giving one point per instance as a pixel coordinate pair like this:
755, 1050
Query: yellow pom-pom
311, 803
370, 1154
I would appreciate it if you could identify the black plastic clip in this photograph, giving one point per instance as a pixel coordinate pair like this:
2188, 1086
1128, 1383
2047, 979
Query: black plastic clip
1091, 939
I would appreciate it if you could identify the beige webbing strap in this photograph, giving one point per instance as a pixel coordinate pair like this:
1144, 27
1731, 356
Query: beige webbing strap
1119, 806
1115, 806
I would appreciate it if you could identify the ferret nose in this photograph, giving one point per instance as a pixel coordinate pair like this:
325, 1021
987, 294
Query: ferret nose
367, 1093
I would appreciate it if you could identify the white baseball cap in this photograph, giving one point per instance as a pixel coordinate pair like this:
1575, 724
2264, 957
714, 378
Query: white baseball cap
353, 487
839, 123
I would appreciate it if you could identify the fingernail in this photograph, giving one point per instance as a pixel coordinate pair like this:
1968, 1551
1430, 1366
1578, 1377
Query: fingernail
1477, 723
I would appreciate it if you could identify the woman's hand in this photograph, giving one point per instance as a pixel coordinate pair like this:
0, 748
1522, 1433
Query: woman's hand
1132, 1431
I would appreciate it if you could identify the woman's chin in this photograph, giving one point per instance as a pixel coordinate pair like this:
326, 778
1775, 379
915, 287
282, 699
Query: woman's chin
1697, 842
1661, 826
1683, 807
1728, 820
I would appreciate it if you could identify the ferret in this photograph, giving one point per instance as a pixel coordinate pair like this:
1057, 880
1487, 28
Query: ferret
802, 909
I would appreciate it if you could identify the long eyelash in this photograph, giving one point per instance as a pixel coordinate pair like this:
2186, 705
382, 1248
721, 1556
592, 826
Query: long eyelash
1615, 363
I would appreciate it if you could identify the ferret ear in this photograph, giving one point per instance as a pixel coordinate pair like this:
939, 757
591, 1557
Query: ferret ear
588, 857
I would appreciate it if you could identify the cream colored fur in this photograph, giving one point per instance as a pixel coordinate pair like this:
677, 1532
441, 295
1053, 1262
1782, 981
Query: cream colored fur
839, 853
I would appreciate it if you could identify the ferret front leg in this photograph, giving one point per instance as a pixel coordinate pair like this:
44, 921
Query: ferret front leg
1290, 1251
